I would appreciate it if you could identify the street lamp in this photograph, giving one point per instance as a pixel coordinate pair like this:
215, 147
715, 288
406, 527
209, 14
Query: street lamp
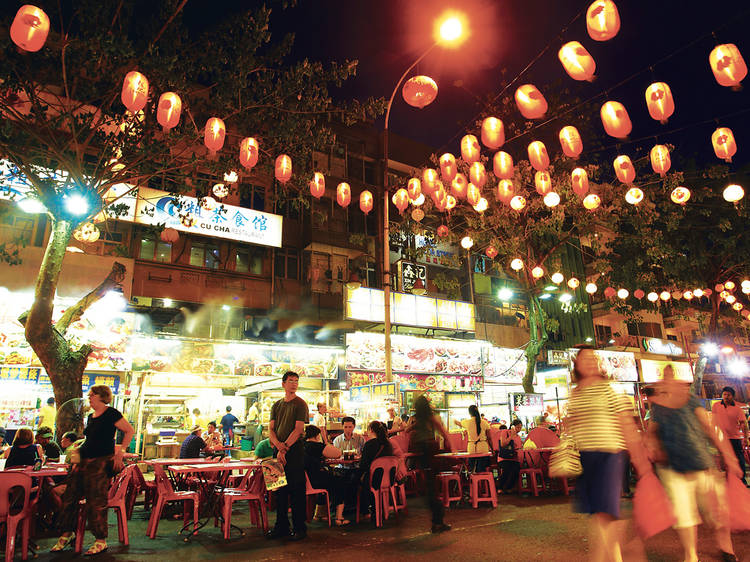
449, 33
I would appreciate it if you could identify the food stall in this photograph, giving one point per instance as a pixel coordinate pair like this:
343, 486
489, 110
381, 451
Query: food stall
504, 369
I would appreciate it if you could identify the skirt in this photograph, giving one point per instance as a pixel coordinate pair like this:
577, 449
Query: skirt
599, 488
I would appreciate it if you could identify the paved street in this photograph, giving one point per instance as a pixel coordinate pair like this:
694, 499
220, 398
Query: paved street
519, 529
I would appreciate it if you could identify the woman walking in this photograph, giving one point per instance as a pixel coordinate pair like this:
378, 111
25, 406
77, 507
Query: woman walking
90, 478
601, 423
423, 429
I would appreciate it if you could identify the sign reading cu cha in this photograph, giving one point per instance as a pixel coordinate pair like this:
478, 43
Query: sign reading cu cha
661, 347
223, 221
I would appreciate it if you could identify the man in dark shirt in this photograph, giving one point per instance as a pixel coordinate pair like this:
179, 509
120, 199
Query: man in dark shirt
288, 418
193, 444
52, 451
227, 426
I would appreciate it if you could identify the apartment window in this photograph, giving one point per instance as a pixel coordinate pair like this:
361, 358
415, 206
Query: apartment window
156, 250
371, 274
603, 333
286, 263
288, 209
253, 197
645, 329
17, 227
204, 255
248, 260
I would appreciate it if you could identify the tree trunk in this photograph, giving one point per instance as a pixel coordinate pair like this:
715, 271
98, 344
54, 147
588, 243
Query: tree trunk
700, 367
536, 342
713, 326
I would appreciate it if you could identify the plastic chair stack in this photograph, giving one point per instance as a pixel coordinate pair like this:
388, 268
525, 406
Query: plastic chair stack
22, 482
251, 488
117, 501
166, 493
312, 494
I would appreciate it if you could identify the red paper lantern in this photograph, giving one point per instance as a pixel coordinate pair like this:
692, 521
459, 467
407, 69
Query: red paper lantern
249, 152
580, 181
570, 141
602, 20
30, 28
615, 119
283, 168
542, 183
609, 292
470, 150
168, 111
401, 199
493, 133
530, 102
414, 188
365, 201
448, 168
443, 231
639, 294
134, 91
214, 134
659, 101
429, 177
538, 156
459, 185
724, 144
491, 252
624, 169
419, 91
477, 174
502, 165
440, 198
343, 194
727, 64
660, 160
505, 191
169, 235
318, 185
577, 61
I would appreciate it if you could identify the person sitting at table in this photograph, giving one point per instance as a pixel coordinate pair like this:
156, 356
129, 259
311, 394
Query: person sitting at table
320, 477
477, 428
510, 466
52, 451
193, 444
264, 450
24, 451
3, 445
377, 446
349, 441
214, 442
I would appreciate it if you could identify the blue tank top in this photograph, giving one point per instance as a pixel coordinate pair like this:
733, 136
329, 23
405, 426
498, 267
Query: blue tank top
685, 443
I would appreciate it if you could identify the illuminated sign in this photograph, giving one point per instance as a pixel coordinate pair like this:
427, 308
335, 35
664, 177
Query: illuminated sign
410, 310
653, 371
557, 357
410, 273
661, 347
618, 365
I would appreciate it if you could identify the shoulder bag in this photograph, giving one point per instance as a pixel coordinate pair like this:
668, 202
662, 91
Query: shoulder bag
565, 461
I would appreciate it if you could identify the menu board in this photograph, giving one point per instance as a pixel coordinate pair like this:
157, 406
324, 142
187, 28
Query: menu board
243, 359
418, 382
366, 351
504, 365
619, 365
374, 392
437, 399
653, 371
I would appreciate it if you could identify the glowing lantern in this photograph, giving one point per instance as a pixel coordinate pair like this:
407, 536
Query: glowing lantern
516, 264
283, 168
660, 160
591, 288
602, 20
168, 111
639, 294
724, 144
440, 198
634, 195
443, 231
609, 292
134, 91
419, 91
504, 191
580, 181
537, 272
459, 186
448, 167
570, 141
231, 177
208, 203
577, 61
450, 203
573, 283
365, 201
615, 119
653, 297
542, 183
169, 235
517, 203
502, 165
733, 193
249, 152
737, 306
698, 293
719, 287
530, 102
493, 132
401, 199
592, 201
557, 278
220, 190
659, 101
414, 189
623, 294
482, 205
88, 232
417, 214
665, 296
214, 134
467, 242
318, 185
729, 285
727, 64
680, 195
477, 174
470, 148
473, 194
624, 169
30, 28
552, 199
677, 295
491, 252
726, 296
745, 314
419, 201
538, 156
687, 295
429, 177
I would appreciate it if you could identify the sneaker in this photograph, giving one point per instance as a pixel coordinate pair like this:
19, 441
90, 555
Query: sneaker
441, 528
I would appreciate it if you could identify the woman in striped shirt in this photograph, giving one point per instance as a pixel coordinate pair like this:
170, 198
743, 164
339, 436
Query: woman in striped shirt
601, 423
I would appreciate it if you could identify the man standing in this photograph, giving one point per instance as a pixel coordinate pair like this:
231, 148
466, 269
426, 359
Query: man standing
395, 424
227, 427
349, 441
319, 420
48, 414
731, 420
288, 418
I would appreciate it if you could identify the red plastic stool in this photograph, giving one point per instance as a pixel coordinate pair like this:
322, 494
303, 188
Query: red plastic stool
445, 479
532, 485
477, 496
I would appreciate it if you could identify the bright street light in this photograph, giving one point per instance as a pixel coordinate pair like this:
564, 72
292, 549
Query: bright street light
737, 367
167, 303
710, 349
450, 29
76, 204
566, 297
545, 296
225, 307
32, 206
505, 294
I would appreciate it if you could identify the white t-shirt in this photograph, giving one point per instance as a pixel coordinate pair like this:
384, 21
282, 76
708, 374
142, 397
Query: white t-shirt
319, 420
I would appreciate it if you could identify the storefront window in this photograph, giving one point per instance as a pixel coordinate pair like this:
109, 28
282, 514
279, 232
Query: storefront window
204, 255
286, 263
156, 250
249, 261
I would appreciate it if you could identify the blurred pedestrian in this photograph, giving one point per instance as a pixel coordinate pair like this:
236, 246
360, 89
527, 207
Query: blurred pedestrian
730, 418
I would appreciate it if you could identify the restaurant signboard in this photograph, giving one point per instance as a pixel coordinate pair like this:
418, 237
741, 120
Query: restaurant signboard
410, 273
653, 371
661, 347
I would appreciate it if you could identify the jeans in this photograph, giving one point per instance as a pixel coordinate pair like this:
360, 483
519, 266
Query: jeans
293, 493
737, 446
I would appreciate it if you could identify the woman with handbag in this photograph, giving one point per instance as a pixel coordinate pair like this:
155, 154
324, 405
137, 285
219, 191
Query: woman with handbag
601, 423
90, 477
510, 466
477, 428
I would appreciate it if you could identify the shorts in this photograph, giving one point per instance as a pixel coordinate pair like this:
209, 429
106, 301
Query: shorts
598, 489
695, 493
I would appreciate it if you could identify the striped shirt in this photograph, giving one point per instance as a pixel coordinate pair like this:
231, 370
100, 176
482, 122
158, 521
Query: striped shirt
593, 417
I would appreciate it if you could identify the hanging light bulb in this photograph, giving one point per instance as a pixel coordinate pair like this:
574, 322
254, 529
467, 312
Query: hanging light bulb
557, 278
591, 288
467, 242
552, 199
733, 193
634, 195
517, 203
516, 264
665, 296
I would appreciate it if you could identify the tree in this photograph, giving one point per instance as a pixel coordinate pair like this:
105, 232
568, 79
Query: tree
61, 111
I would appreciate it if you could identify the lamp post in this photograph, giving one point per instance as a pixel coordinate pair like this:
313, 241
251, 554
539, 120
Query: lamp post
449, 31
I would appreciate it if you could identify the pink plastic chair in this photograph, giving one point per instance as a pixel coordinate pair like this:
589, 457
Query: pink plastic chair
531, 477
166, 493
137, 485
475, 482
8, 481
543, 437
387, 496
116, 500
252, 487
311, 494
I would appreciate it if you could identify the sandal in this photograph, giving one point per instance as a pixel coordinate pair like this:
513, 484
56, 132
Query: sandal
342, 522
62, 542
97, 548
